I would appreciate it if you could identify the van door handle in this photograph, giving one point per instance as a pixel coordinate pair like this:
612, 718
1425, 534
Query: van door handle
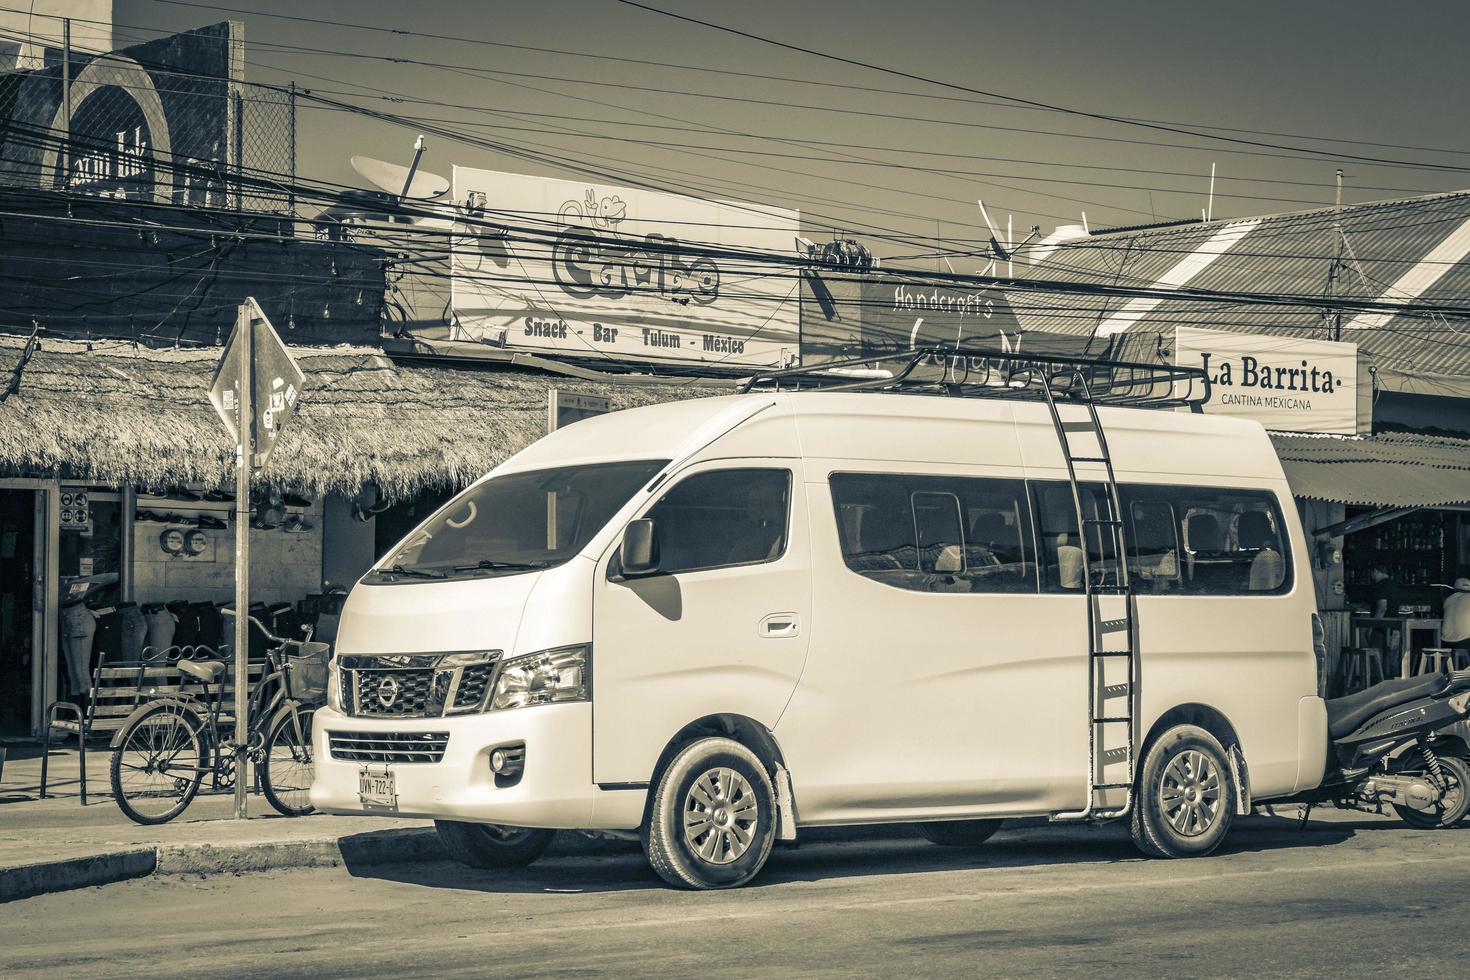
778, 625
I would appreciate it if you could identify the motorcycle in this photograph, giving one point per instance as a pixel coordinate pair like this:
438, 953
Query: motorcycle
1393, 743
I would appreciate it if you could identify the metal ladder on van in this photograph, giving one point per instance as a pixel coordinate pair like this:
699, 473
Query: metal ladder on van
1110, 607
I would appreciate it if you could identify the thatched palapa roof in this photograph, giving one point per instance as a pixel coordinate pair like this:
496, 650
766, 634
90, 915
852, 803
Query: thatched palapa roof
114, 414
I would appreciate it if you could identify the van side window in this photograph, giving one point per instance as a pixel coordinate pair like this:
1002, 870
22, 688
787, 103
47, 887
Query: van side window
722, 518
1153, 546
1062, 541
1232, 542
936, 533
1205, 541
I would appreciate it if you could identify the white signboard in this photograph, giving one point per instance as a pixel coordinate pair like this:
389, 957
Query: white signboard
619, 272
1286, 383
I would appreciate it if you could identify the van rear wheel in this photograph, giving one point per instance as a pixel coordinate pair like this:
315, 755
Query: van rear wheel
712, 821
483, 845
958, 833
1185, 799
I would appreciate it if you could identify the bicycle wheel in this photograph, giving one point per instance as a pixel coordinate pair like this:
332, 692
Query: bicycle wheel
159, 762
286, 768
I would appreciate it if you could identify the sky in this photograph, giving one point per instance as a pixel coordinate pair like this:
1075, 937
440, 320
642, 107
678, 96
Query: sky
1346, 70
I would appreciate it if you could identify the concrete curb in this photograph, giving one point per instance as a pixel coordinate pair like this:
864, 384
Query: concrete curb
361, 850
370, 849
45, 877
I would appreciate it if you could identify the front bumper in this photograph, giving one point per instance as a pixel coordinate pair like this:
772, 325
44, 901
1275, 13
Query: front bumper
555, 789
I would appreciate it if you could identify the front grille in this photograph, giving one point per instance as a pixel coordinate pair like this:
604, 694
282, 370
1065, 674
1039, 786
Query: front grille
473, 683
393, 693
388, 746
419, 685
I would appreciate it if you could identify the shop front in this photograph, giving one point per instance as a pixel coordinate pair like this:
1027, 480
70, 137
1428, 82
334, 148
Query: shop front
1391, 519
116, 507
1386, 510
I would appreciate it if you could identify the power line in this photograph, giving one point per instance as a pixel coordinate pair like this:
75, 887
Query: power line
1103, 117
993, 102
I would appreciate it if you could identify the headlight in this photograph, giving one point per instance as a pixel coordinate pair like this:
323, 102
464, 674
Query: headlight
547, 677
334, 685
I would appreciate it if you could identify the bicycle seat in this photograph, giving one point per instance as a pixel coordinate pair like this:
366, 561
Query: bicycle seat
207, 671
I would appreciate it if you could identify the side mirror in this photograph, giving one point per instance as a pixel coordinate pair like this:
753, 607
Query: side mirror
640, 548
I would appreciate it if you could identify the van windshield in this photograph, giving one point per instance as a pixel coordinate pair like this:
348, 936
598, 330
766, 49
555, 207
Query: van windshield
519, 522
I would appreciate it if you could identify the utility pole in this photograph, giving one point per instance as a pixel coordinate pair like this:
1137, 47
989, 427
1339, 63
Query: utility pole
1337, 259
291, 191
65, 103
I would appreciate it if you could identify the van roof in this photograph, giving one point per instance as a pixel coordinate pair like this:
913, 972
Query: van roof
915, 427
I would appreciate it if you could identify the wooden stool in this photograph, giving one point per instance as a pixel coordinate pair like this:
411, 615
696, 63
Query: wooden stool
1359, 668
1435, 660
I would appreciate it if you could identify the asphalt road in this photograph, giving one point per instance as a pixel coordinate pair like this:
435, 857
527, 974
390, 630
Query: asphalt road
1340, 897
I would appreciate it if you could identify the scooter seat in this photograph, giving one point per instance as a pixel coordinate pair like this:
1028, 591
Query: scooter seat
1346, 714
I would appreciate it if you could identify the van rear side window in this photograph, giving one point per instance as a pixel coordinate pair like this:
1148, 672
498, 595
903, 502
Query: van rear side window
936, 533
1205, 541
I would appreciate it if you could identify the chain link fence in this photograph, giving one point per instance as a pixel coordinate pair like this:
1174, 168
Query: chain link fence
265, 147
165, 121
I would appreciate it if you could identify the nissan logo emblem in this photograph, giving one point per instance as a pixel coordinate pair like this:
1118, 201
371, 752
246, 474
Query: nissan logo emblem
388, 692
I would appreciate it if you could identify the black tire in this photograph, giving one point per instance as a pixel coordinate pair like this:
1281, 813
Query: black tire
286, 767
158, 764
706, 828
1185, 800
483, 845
1457, 774
958, 833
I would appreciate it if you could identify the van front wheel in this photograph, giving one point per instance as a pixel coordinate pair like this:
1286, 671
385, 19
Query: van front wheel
712, 821
1185, 799
483, 845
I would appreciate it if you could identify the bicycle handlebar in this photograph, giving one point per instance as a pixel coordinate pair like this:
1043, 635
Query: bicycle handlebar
275, 641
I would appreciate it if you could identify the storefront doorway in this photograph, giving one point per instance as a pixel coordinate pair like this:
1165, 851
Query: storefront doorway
22, 597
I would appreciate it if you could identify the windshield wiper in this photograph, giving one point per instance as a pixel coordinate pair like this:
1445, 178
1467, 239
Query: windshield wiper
486, 564
420, 572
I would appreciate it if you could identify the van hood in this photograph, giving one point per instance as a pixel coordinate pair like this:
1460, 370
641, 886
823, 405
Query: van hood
435, 617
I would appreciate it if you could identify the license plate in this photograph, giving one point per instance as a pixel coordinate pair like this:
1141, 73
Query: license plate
377, 787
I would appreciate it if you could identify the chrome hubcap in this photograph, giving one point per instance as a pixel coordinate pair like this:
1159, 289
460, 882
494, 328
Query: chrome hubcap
720, 816
1189, 793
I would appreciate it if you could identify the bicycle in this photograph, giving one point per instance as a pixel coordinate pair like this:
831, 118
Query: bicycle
163, 753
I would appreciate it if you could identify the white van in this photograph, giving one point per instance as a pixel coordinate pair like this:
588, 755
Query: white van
712, 623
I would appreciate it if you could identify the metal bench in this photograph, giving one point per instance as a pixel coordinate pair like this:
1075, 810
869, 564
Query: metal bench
119, 688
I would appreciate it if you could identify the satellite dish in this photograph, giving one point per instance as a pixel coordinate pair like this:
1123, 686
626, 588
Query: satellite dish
400, 181
359, 206
406, 194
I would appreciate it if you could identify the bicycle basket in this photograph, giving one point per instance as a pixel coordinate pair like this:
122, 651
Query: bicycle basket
309, 671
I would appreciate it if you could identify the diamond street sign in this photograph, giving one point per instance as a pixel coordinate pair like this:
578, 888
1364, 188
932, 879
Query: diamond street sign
276, 388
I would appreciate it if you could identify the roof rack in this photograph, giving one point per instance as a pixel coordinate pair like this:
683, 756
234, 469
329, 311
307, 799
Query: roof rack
999, 373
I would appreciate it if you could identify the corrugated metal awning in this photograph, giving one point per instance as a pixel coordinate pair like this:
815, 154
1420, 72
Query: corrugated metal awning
1393, 469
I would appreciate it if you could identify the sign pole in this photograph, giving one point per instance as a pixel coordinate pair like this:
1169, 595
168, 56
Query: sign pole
255, 390
244, 463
